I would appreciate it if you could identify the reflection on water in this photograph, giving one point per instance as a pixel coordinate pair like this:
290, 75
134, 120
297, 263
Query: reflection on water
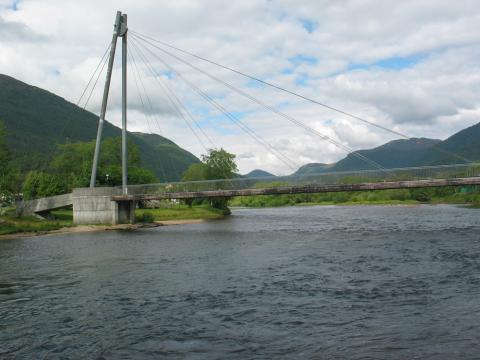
319, 282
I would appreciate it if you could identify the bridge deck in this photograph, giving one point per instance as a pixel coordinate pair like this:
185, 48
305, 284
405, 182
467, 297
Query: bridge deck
303, 189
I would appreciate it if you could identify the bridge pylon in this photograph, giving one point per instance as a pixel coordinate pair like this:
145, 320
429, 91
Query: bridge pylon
120, 29
93, 205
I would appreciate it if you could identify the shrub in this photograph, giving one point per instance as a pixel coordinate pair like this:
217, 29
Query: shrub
145, 217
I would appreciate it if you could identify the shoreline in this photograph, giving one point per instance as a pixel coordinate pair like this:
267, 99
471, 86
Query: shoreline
129, 227
79, 229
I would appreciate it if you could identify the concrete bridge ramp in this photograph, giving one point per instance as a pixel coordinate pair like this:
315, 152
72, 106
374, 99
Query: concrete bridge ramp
43, 206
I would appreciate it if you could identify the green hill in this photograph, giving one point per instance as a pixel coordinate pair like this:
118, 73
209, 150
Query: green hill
312, 168
394, 154
37, 120
258, 173
461, 147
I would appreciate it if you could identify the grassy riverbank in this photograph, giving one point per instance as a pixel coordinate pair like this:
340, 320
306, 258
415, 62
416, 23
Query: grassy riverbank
179, 212
11, 224
466, 196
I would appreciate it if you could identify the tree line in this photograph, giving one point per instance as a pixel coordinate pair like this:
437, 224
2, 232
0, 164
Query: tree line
70, 167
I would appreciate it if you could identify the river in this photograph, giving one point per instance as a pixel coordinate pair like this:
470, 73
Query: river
363, 282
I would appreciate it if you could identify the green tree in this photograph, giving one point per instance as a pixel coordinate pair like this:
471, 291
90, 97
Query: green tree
74, 162
195, 172
219, 164
40, 184
216, 165
4, 153
4, 163
9, 173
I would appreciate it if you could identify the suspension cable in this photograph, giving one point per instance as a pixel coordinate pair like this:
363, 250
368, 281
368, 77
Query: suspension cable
154, 114
158, 78
136, 77
278, 87
180, 104
95, 84
93, 74
283, 115
283, 158
164, 86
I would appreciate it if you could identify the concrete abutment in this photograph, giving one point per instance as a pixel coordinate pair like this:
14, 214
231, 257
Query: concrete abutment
94, 206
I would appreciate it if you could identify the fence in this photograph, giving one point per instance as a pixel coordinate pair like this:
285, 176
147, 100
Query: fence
327, 178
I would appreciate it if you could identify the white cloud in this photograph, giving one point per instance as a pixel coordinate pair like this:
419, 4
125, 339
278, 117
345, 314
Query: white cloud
345, 59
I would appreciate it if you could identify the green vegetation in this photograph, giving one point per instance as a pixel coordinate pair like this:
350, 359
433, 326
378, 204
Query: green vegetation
10, 223
178, 212
71, 168
451, 195
9, 176
217, 164
37, 121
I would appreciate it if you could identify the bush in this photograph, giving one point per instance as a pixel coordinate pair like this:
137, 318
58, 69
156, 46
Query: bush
39, 184
145, 217
421, 195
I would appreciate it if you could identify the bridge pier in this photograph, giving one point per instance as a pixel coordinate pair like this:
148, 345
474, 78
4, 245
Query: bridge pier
123, 212
94, 206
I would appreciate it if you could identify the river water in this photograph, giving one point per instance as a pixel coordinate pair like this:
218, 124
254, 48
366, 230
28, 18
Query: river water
304, 282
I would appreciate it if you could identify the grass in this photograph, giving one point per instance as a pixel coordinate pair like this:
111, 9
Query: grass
11, 224
179, 212
363, 203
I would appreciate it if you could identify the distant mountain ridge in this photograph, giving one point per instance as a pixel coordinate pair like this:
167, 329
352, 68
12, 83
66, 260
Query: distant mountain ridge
464, 146
37, 120
312, 168
393, 154
258, 173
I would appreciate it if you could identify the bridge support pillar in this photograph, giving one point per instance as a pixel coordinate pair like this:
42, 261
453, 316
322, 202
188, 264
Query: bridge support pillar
123, 212
94, 206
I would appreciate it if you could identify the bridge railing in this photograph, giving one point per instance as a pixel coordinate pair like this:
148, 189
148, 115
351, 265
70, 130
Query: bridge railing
327, 178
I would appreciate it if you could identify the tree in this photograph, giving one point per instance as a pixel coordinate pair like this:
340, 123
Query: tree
9, 174
40, 184
217, 164
4, 153
195, 172
74, 162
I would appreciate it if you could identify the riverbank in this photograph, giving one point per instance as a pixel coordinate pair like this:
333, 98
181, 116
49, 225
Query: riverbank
449, 195
169, 215
12, 226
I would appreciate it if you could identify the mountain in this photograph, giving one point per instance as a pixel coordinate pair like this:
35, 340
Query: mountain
165, 158
37, 120
258, 173
394, 154
312, 168
464, 146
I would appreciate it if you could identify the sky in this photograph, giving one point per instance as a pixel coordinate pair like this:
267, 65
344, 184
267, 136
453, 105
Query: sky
409, 66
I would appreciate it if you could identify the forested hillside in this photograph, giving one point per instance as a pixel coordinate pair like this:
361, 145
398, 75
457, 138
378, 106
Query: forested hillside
37, 121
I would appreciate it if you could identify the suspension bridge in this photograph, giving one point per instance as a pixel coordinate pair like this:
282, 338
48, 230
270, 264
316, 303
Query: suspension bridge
100, 205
